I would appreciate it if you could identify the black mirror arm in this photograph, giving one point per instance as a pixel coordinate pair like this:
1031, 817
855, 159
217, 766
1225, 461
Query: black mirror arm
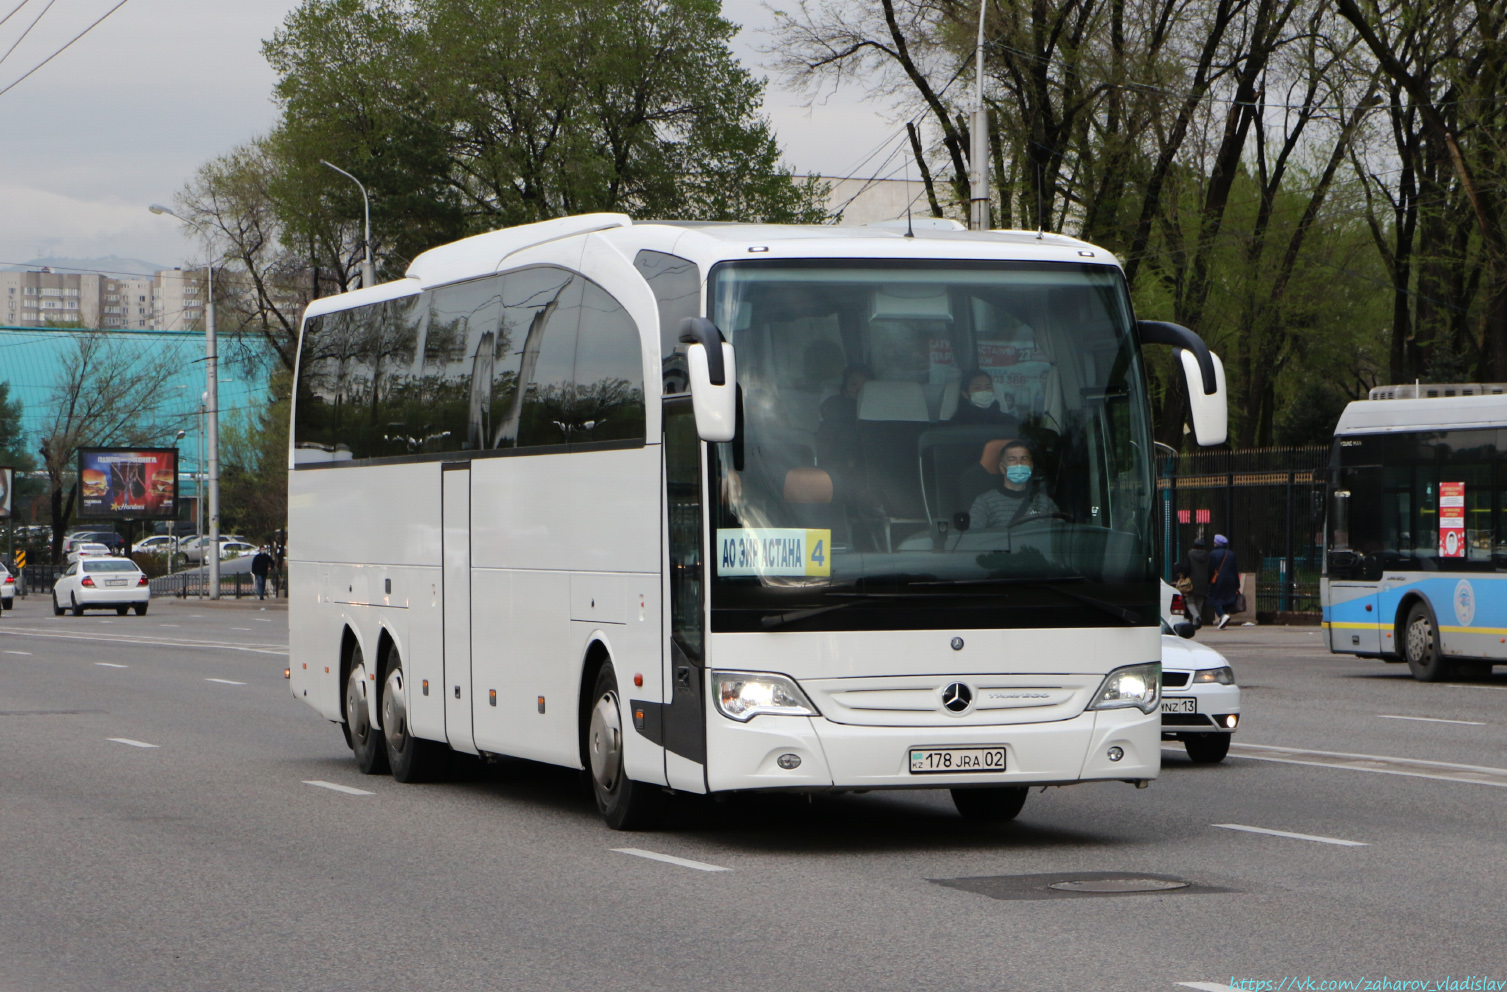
699, 330
1162, 332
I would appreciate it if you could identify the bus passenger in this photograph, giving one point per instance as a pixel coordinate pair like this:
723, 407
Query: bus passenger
977, 403
1020, 496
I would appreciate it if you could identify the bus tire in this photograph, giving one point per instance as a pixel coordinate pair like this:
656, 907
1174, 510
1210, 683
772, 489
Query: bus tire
623, 803
412, 759
1000, 804
1207, 749
366, 742
1420, 646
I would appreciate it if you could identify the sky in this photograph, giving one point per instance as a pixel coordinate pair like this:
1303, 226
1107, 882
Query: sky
122, 118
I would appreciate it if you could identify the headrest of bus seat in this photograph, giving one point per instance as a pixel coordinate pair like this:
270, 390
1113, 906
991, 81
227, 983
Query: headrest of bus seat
884, 400
808, 485
990, 458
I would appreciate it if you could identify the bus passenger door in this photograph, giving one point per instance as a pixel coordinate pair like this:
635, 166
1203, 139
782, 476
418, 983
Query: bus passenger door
455, 507
685, 664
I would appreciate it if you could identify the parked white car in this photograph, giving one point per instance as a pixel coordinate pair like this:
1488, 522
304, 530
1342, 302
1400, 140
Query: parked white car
93, 583
157, 544
1200, 700
192, 549
7, 589
88, 550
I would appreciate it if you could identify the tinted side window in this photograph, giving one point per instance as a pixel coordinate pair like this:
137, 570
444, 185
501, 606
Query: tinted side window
543, 310
609, 378
460, 352
355, 379
676, 283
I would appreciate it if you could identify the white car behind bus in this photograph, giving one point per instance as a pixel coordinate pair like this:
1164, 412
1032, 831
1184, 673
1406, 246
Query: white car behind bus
7, 588
1200, 700
100, 584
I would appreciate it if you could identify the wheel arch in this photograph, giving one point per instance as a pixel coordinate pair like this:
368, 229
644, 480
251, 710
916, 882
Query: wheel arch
349, 643
1400, 621
598, 654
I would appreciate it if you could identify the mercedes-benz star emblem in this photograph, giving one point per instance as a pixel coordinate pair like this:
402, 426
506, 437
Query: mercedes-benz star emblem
957, 697
957, 644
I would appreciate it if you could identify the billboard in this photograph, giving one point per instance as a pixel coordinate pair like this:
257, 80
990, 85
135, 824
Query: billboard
128, 483
7, 490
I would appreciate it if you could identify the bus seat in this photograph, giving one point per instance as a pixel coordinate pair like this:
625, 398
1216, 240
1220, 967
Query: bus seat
951, 470
949, 404
808, 485
891, 417
893, 401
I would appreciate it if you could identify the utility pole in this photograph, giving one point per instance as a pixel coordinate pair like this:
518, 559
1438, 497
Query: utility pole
978, 152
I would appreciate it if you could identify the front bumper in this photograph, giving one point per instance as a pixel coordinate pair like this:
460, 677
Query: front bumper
839, 756
1215, 702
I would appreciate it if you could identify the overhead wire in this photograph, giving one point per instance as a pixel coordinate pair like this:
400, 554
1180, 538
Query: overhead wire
35, 21
69, 44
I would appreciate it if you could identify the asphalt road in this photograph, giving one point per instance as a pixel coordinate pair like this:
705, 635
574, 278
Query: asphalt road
208, 861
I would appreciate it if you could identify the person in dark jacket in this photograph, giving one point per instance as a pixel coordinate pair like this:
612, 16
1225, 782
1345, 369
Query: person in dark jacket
977, 403
1195, 568
260, 566
1224, 581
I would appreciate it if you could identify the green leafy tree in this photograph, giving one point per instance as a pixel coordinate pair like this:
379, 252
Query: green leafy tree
253, 473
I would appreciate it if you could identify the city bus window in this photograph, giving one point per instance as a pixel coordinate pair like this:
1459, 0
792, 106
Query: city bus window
609, 372
676, 284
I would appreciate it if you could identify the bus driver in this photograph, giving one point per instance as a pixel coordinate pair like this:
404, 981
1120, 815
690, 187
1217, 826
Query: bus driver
1020, 498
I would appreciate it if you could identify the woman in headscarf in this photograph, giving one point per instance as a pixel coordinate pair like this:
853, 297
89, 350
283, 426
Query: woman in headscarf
1224, 580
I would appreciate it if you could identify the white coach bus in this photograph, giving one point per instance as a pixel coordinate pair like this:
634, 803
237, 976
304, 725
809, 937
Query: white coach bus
716, 507
1417, 530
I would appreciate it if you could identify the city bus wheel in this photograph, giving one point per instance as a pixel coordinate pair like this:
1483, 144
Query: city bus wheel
412, 759
623, 803
1207, 749
1420, 646
366, 743
997, 805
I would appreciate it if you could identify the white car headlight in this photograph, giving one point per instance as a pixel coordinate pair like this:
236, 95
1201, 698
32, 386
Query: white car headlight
1224, 676
742, 696
1134, 685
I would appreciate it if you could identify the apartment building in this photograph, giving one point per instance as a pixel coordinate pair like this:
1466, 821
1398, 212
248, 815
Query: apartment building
45, 298
171, 300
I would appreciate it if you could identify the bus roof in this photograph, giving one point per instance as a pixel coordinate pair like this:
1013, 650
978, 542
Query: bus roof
1390, 416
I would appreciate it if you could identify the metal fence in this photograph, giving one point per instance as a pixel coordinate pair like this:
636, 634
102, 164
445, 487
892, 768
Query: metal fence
1268, 502
35, 580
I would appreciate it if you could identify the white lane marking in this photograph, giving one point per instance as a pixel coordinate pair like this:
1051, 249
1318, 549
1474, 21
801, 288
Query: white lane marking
1442, 771
1468, 685
107, 621
260, 620
225, 681
1285, 833
1429, 719
338, 788
1207, 986
169, 625
159, 641
27, 653
110, 664
669, 859
127, 740
240, 628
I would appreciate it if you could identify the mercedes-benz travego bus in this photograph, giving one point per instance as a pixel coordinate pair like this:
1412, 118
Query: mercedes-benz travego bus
1417, 530
720, 507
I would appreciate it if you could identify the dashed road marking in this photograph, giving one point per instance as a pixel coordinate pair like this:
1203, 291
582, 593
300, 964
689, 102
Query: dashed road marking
225, 681
1429, 719
241, 628
1286, 833
1442, 771
261, 620
26, 653
169, 625
1207, 986
669, 859
338, 788
110, 664
127, 740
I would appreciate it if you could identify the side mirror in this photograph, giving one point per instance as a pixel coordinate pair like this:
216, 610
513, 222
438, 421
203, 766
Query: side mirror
1203, 374
1184, 629
714, 377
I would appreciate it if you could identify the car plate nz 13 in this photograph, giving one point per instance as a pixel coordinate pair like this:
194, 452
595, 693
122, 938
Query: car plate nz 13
1185, 705
951, 760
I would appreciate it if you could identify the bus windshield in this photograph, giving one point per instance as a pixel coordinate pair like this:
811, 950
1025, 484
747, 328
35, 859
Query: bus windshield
931, 444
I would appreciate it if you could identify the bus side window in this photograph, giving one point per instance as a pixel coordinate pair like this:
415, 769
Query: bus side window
676, 284
463, 323
356, 380
544, 310
609, 373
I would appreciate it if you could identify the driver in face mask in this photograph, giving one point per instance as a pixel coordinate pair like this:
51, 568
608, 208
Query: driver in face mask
977, 403
1020, 496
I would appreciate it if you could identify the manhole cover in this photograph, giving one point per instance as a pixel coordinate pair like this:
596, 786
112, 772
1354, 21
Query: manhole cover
1117, 885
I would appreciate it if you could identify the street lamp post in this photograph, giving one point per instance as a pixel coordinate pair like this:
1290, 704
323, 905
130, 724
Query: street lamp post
212, 415
368, 271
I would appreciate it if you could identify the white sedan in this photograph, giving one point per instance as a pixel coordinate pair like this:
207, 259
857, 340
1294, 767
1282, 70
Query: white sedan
157, 544
1200, 700
88, 550
101, 584
7, 588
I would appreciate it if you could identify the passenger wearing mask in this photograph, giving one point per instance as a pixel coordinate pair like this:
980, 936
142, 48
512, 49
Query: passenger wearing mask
977, 403
1020, 496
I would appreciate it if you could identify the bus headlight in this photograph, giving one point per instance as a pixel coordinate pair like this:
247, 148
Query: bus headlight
742, 696
1134, 685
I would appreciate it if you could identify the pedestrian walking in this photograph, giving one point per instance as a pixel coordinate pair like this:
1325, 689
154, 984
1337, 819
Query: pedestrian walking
1224, 584
1192, 579
260, 566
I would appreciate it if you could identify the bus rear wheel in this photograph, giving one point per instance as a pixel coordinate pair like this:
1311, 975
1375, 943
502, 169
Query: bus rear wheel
366, 743
623, 803
1420, 646
412, 759
1000, 804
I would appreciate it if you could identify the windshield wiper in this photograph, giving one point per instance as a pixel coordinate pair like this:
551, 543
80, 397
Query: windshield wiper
795, 616
1119, 612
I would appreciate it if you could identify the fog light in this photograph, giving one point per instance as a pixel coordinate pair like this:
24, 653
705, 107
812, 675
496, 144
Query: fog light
1231, 720
1116, 753
788, 761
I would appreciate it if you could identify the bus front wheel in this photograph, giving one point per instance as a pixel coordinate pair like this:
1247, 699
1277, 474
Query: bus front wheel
1420, 646
997, 805
623, 803
366, 743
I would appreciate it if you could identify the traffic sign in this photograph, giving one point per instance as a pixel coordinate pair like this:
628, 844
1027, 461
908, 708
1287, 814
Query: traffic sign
20, 560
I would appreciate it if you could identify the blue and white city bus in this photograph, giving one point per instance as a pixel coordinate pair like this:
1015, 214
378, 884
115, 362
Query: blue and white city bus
1417, 530
693, 506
